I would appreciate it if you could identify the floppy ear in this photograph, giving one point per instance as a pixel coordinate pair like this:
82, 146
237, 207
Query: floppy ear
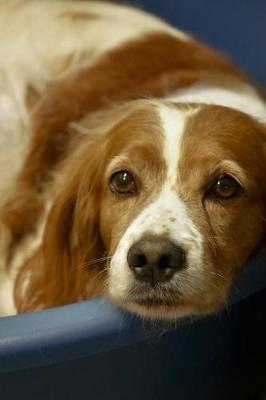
262, 246
62, 270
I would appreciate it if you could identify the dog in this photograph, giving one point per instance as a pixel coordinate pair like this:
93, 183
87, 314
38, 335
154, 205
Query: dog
132, 162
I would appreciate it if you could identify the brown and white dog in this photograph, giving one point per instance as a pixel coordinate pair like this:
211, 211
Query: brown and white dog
132, 162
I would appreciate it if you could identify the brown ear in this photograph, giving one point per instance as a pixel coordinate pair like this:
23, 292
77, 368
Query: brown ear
62, 270
262, 136
263, 244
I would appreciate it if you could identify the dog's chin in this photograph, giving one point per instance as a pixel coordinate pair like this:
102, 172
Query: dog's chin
153, 309
159, 312
164, 303
167, 312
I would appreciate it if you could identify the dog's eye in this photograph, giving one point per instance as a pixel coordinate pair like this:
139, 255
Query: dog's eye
224, 188
123, 183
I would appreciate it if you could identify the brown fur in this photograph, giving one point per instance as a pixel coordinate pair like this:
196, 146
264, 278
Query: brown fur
87, 220
150, 67
216, 134
84, 224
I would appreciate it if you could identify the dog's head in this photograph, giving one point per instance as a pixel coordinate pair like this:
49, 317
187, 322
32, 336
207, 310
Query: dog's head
159, 210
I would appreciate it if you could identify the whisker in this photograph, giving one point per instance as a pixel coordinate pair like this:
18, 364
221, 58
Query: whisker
233, 285
94, 261
219, 274
101, 272
216, 237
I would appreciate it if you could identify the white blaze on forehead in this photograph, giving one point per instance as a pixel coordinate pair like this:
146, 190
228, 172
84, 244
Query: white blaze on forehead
167, 215
173, 123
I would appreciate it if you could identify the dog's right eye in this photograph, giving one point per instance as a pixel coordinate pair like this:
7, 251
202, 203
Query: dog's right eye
123, 183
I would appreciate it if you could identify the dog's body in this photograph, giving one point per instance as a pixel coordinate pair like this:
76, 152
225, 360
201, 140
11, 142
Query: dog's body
69, 73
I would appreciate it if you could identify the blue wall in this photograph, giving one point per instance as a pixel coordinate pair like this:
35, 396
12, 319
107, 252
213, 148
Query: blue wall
237, 27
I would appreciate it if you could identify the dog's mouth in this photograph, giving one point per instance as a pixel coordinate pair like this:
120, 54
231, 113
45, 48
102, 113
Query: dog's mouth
157, 302
164, 302
159, 295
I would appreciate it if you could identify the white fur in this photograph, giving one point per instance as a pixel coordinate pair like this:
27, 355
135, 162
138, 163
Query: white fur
173, 127
167, 215
243, 98
7, 306
40, 44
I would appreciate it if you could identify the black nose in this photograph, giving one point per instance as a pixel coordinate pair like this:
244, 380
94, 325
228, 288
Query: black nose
155, 259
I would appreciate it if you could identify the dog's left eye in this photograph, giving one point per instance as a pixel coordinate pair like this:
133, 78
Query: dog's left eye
123, 183
224, 188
